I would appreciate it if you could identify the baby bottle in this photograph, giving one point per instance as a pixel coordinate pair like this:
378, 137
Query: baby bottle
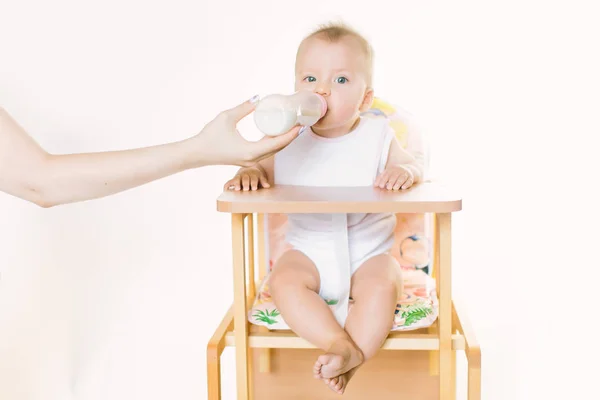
277, 114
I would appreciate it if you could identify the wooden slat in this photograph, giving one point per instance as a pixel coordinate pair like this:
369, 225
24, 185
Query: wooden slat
240, 306
289, 340
445, 306
422, 198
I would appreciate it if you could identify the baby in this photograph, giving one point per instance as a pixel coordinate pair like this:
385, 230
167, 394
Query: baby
341, 149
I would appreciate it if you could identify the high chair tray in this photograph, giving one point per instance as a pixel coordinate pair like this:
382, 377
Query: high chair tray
426, 197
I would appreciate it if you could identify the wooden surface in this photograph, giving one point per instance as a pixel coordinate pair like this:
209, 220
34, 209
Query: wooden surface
422, 198
423, 339
389, 375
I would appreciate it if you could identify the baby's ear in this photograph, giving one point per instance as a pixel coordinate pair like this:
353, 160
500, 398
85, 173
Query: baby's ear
367, 100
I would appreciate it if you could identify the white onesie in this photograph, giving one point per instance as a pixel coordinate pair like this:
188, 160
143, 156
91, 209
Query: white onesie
338, 244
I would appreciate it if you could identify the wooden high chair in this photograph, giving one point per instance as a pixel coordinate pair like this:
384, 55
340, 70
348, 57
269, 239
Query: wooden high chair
256, 347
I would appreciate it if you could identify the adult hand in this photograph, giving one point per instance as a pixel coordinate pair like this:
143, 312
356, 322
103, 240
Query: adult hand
221, 143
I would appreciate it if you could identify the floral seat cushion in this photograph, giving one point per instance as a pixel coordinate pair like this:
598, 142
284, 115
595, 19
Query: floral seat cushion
417, 307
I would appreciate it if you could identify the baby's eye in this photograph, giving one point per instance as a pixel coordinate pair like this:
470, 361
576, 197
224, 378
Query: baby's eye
310, 79
341, 80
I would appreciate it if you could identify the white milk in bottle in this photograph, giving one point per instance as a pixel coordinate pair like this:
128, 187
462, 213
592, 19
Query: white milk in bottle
277, 114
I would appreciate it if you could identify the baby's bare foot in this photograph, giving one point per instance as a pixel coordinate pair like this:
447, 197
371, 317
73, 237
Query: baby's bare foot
342, 356
339, 383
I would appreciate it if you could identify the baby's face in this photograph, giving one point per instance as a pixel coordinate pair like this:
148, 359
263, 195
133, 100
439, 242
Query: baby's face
338, 72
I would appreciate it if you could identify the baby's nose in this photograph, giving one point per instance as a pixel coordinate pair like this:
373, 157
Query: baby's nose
323, 90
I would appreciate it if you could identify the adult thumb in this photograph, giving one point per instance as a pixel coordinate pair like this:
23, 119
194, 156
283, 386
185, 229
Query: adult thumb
279, 142
242, 110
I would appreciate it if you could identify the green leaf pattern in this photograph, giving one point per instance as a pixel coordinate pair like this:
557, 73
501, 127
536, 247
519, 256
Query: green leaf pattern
414, 313
266, 316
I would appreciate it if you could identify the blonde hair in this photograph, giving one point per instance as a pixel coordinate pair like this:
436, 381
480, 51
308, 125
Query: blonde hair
336, 31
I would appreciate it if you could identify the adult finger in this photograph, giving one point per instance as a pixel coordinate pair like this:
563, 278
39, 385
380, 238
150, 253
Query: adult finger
240, 111
269, 146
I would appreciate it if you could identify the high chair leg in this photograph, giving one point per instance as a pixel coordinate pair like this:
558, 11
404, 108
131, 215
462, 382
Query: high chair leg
240, 306
213, 356
251, 293
434, 355
264, 358
474, 383
434, 361
453, 375
250, 374
472, 351
265, 361
251, 273
213, 371
445, 308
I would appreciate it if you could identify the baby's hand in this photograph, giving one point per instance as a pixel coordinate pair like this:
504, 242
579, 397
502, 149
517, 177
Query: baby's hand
394, 178
246, 179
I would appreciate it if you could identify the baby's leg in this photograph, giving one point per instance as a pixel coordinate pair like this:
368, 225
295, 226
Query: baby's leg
294, 285
375, 287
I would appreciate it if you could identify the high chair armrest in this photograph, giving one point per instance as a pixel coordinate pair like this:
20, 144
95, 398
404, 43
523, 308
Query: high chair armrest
426, 197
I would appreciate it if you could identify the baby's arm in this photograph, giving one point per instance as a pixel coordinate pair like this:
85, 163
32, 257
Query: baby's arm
260, 175
402, 169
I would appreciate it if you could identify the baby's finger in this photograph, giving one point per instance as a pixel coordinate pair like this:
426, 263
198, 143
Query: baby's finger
254, 182
394, 176
376, 183
233, 184
391, 180
383, 178
399, 181
245, 182
264, 182
409, 182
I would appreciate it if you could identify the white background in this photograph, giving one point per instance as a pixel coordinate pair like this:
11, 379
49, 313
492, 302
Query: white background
116, 298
